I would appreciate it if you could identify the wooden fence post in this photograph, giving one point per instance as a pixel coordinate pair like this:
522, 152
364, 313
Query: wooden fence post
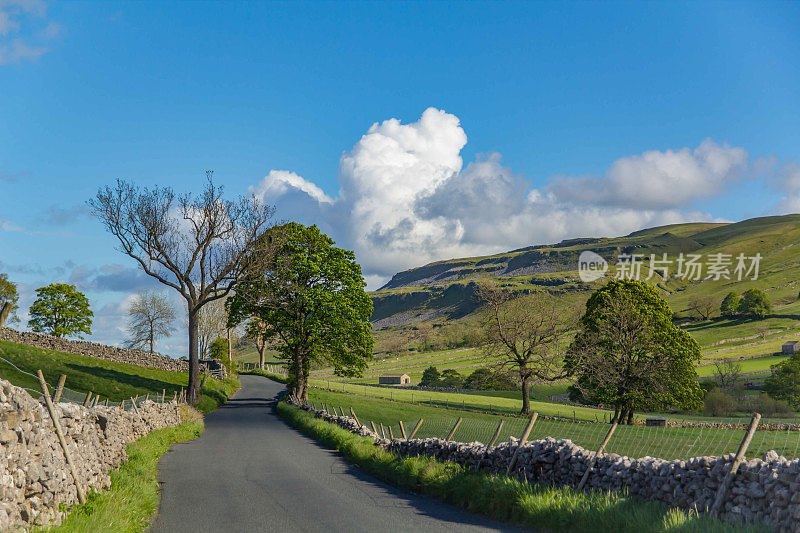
522, 441
374, 429
496, 433
60, 435
391, 433
593, 460
383, 432
403, 430
416, 428
87, 398
59, 388
353, 414
455, 428
737, 461
163, 395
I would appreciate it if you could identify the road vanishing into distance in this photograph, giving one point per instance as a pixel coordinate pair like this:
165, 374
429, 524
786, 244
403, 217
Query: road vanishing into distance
249, 471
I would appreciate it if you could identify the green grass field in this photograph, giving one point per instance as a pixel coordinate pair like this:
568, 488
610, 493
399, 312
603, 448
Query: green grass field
633, 441
109, 379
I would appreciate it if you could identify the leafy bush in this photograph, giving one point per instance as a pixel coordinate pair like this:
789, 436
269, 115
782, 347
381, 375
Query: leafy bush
729, 307
719, 403
430, 377
487, 379
784, 382
754, 304
769, 406
451, 379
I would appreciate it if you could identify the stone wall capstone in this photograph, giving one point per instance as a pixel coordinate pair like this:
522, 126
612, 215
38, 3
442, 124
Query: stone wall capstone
765, 490
93, 349
35, 484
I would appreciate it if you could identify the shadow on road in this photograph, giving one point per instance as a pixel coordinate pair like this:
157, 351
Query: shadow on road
238, 403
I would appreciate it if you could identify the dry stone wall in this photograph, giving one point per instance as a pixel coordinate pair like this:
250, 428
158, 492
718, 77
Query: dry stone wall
765, 490
93, 349
35, 482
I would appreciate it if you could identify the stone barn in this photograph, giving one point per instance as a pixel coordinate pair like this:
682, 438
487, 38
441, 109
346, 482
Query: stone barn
791, 348
402, 379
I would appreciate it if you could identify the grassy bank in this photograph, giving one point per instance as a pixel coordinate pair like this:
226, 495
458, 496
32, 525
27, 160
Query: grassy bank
109, 379
132, 501
500, 497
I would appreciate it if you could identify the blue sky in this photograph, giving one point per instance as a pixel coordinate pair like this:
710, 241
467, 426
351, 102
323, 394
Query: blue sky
547, 121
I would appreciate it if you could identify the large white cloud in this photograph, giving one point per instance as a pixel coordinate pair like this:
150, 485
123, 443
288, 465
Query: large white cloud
406, 200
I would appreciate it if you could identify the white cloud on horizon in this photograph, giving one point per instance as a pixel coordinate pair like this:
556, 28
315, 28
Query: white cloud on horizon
405, 199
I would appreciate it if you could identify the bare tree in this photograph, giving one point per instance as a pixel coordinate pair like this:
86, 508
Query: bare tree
150, 317
704, 306
727, 373
526, 335
195, 244
212, 322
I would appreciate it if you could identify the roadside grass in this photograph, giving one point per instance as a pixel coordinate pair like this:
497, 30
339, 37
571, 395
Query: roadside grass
109, 379
132, 501
500, 497
633, 441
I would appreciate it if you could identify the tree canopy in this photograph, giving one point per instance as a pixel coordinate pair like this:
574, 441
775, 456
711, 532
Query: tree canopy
310, 296
9, 298
754, 304
729, 307
784, 382
629, 354
60, 309
195, 244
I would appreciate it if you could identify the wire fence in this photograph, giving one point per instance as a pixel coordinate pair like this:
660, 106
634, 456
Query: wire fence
60, 392
634, 441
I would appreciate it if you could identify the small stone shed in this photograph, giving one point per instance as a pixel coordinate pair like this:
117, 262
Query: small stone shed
791, 347
402, 379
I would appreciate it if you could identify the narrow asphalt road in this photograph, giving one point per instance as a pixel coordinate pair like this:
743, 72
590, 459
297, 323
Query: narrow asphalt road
251, 472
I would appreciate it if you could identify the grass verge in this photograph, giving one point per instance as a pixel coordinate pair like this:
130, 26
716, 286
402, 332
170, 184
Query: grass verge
132, 501
500, 497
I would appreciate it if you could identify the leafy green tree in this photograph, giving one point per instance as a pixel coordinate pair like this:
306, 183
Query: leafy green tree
754, 304
60, 309
629, 354
488, 379
9, 297
451, 378
784, 381
729, 308
218, 349
430, 377
310, 296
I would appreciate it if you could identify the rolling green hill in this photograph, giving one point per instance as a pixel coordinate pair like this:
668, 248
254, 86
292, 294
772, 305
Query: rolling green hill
441, 295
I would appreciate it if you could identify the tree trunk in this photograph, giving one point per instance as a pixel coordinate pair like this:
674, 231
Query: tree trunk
194, 359
630, 416
230, 347
526, 395
5, 310
261, 350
